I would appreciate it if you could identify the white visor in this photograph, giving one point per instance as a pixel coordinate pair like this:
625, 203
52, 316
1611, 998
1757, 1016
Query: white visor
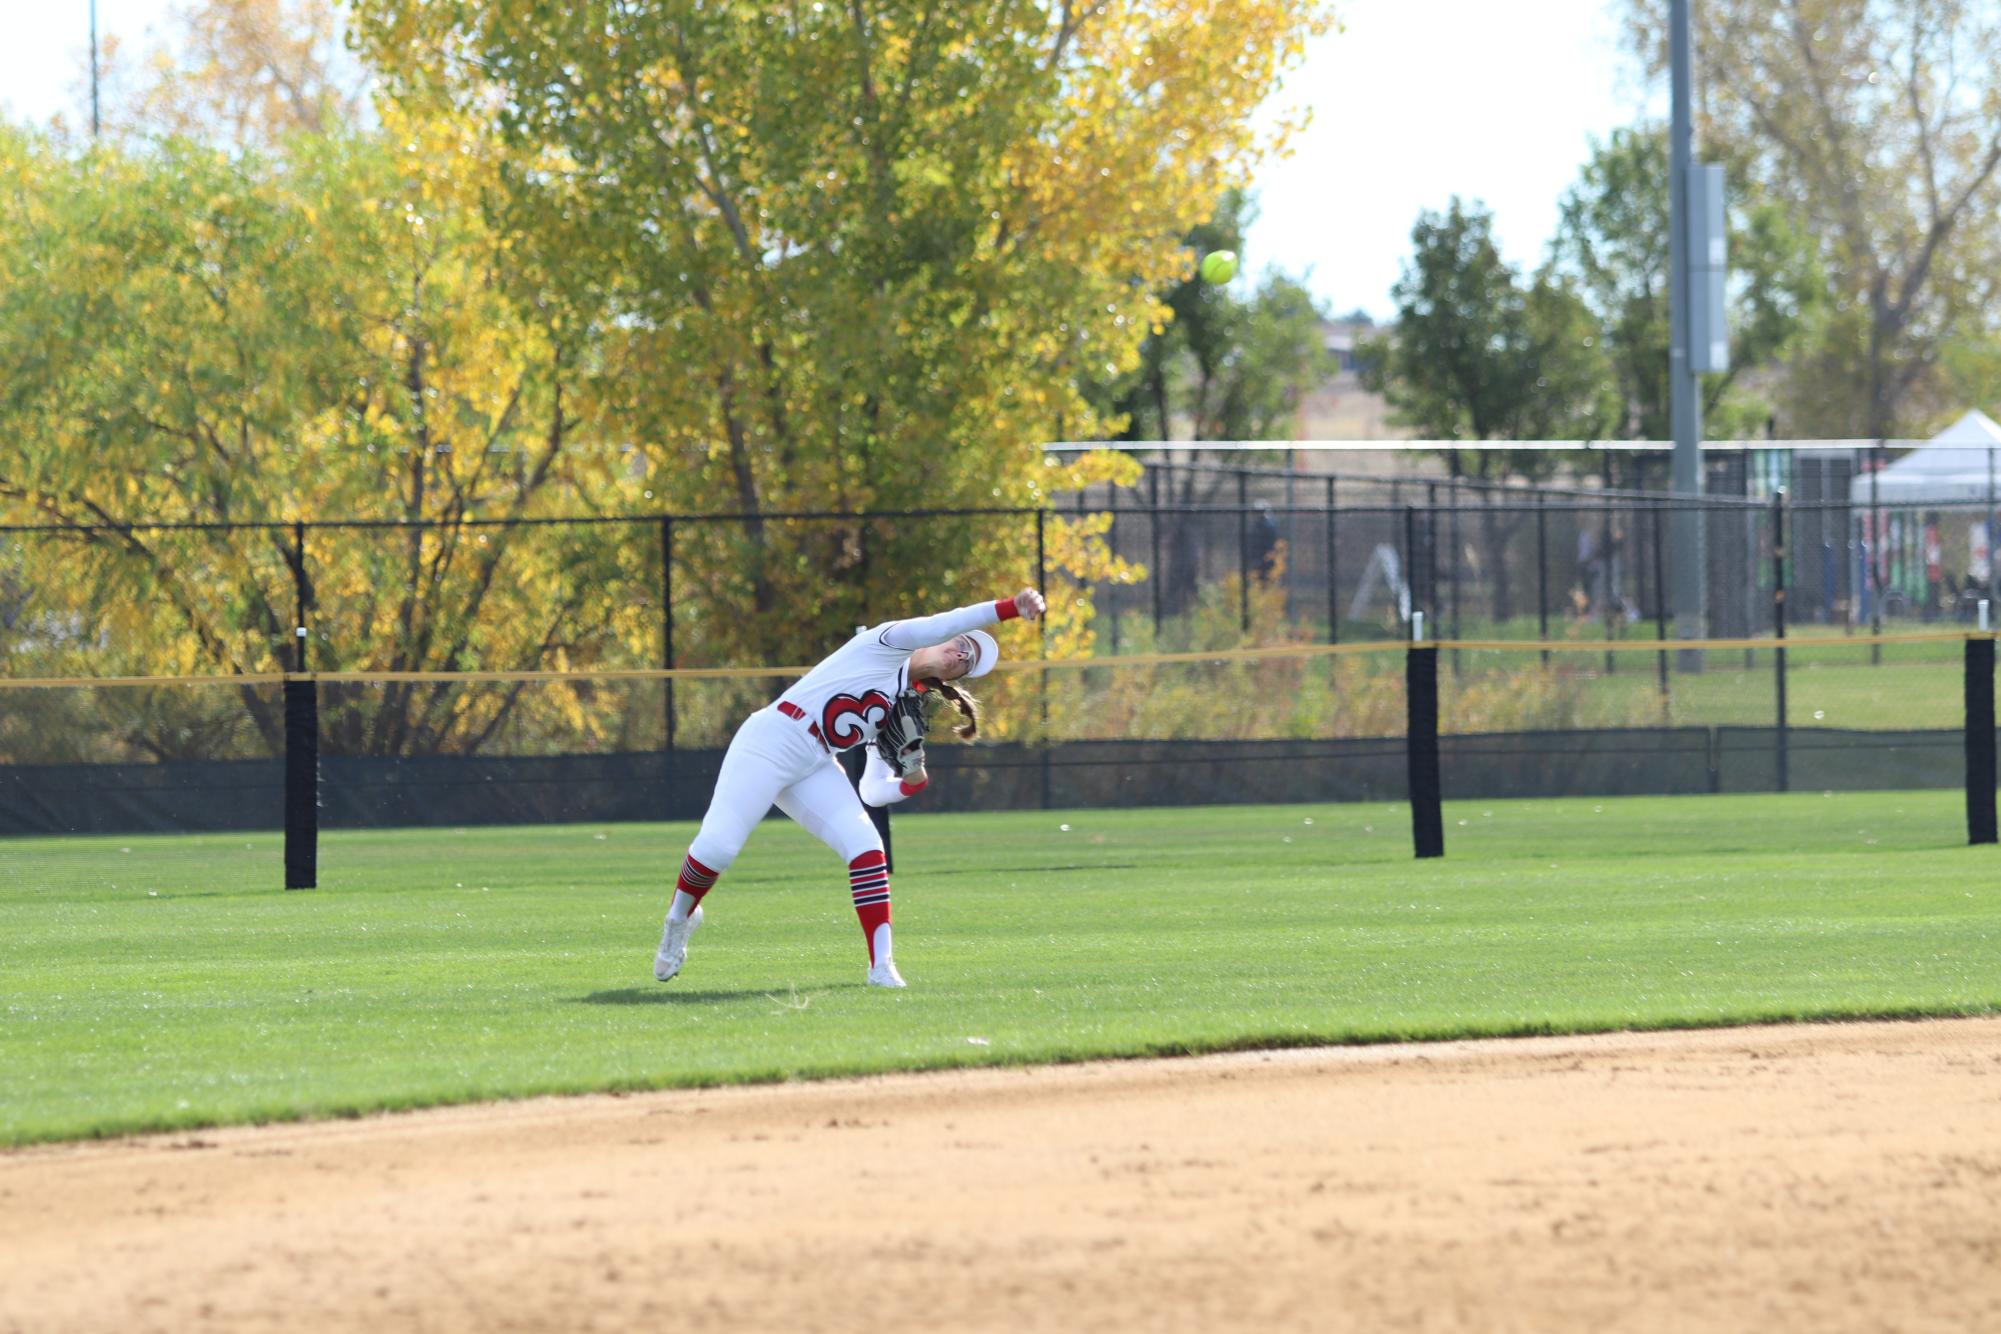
986, 654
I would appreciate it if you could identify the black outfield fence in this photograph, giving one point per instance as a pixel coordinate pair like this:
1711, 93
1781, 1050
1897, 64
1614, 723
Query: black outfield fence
1253, 651
214, 796
1868, 546
1289, 724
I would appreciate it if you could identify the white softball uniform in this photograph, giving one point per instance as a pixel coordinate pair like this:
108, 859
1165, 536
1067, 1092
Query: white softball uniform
783, 754
881, 785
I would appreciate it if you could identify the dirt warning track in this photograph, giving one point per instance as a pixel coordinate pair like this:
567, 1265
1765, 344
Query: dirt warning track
1826, 1177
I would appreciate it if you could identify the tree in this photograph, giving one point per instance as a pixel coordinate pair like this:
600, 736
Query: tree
1877, 125
1477, 354
852, 256
1612, 246
240, 74
206, 338
1221, 366
1224, 366
1972, 368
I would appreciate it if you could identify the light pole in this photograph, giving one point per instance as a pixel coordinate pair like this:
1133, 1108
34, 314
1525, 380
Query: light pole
1684, 398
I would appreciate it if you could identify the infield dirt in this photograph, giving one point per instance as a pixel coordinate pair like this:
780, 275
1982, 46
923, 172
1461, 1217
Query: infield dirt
1821, 1177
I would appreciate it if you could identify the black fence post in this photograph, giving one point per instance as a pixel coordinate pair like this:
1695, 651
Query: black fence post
1153, 530
1112, 549
1454, 551
1410, 589
1608, 561
302, 739
1779, 629
1244, 549
1542, 574
667, 615
1431, 552
1660, 602
1042, 642
1980, 824
301, 594
1081, 500
1333, 585
302, 784
1427, 816
1875, 553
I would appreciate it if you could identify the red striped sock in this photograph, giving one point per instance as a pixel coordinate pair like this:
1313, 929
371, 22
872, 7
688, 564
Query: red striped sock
868, 881
695, 879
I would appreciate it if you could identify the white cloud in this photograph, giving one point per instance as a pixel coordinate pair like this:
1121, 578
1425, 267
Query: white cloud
1418, 100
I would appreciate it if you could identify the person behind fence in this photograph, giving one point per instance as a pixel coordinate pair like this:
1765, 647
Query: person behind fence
1593, 592
1587, 567
873, 688
1934, 554
1261, 544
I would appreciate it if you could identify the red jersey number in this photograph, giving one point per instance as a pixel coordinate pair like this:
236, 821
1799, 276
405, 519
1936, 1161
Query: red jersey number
845, 719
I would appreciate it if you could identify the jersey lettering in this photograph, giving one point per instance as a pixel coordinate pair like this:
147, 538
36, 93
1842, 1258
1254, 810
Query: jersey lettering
845, 720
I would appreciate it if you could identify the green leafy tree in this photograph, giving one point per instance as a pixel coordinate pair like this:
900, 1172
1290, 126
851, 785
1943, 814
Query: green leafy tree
851, 256
1480, 354
1612, 246
200, 338
1223, 365
490, 314
1876, 125
1972, 366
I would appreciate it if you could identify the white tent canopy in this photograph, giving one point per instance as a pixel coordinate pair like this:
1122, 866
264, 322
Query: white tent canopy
1961, 463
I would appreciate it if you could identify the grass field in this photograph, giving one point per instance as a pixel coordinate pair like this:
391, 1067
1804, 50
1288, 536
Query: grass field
154, 983
1825, 687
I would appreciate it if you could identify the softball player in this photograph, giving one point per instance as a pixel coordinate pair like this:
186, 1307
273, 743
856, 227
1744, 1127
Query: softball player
784, 754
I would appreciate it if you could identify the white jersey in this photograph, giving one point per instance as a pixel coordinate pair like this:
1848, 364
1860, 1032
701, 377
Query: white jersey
848, 695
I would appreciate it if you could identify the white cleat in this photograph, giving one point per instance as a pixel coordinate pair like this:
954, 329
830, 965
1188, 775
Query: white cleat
882, 973
674, 946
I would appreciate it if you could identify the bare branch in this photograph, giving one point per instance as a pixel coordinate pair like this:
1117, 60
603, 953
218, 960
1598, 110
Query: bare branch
1914, 98
1069, 21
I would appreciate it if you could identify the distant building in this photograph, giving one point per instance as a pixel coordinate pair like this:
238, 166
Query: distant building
1341, 409
1342, 336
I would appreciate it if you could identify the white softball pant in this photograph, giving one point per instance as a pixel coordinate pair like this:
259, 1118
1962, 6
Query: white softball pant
773, 761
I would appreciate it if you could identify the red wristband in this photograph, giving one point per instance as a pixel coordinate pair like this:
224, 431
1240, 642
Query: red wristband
1004, 609
911, 790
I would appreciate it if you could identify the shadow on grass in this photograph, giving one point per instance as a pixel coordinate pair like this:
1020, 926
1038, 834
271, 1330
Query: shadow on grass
663, 995
995, 870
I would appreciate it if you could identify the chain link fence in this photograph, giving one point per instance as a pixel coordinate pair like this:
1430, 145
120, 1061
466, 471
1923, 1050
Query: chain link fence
1353, 554
1820, 692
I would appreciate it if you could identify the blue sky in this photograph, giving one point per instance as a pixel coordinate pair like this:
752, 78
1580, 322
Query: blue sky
1414, 101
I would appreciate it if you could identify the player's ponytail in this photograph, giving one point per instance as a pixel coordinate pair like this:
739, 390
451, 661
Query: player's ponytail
961, 700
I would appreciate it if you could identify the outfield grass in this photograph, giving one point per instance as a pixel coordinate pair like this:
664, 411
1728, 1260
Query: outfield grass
153, 983
1825, 687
